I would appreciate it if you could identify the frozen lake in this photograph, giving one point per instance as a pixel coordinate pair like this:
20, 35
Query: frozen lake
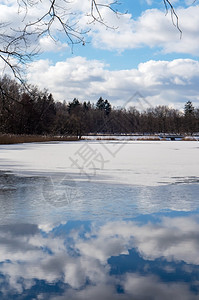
99, 219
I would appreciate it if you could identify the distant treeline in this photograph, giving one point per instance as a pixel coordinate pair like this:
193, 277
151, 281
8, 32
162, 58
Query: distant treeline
32, 111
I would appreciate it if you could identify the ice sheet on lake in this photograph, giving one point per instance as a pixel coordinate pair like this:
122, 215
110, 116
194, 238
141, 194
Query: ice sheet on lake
135, 163
135, 178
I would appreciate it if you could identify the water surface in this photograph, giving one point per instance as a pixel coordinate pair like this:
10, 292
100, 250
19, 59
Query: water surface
127, 230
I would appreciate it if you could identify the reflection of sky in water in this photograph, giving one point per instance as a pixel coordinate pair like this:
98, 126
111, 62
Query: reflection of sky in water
58, 197
74, 239
156, 258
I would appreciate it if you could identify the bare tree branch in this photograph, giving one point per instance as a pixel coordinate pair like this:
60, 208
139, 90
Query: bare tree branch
174, 16
57, 17
17, 50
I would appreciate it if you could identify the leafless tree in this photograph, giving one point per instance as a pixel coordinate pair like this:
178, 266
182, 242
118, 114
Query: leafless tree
56, 17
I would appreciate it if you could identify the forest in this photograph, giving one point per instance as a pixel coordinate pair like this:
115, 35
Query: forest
27, 110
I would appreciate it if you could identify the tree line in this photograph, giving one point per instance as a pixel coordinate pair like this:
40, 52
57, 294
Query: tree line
31, 111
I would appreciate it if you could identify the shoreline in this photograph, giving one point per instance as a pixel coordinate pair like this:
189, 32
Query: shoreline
8, 139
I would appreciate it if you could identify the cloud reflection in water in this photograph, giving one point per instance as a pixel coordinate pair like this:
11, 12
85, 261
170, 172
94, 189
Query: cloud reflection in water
134, 259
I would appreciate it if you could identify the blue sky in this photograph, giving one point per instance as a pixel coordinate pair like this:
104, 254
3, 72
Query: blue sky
144, 54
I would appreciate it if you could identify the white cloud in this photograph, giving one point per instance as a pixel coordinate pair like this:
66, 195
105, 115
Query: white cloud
160, 82
151, 29
47, 44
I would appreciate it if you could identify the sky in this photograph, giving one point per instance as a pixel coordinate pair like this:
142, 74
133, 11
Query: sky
139, 52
